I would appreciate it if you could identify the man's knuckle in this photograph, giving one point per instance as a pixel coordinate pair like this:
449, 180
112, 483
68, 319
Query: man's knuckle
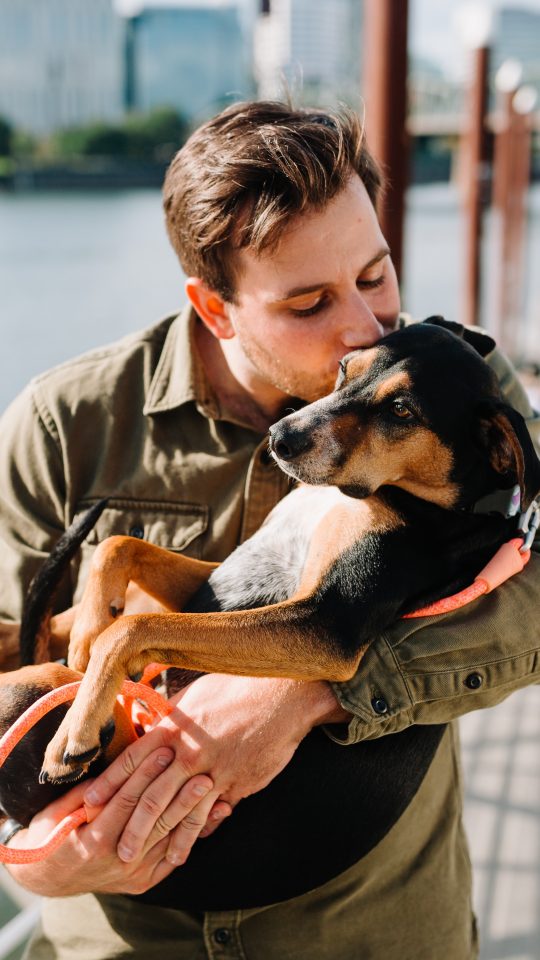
192, 823
186, 767
150, 805
128, 763
127, 801
163, 827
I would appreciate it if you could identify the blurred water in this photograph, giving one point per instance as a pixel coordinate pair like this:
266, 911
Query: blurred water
81, 269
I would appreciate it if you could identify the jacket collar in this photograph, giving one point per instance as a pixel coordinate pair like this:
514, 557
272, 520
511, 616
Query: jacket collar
179, 377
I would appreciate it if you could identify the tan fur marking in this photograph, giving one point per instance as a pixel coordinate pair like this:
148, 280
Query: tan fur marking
359, 364
398, 381
342, 527
420, 464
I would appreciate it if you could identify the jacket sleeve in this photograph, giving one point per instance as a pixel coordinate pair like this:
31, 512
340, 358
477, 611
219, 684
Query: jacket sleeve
434, 669
32, 498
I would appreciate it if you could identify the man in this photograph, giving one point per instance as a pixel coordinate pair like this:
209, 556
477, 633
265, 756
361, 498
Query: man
272, 214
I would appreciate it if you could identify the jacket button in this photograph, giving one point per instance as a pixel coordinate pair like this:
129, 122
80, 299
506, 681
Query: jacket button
222, 935
137, 531
474, 681
379, 705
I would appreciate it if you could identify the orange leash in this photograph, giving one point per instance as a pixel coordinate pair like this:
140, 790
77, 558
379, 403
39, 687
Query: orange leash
131, 691
508, 561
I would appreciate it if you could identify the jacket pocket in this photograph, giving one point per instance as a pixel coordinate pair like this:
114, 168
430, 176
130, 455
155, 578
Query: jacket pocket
174, 526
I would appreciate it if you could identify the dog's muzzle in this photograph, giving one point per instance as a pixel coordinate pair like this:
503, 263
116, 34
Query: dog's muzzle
287, 443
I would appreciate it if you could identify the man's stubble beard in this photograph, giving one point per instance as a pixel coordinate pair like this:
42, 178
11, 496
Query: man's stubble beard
302, 385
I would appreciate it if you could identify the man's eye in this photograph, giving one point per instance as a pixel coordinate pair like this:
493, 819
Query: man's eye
401, 410
309, 311
370, 284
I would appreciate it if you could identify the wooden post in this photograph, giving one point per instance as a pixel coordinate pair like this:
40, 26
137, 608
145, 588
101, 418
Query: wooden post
511, 173
476, 155
384, 89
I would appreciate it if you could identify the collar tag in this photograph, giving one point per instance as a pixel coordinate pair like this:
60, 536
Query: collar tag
529, 522
505, 502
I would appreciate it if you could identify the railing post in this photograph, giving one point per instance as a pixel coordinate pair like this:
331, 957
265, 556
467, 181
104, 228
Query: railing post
511, 172
384, 89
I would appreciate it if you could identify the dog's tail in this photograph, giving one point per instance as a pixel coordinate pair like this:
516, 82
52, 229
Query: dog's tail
39, 598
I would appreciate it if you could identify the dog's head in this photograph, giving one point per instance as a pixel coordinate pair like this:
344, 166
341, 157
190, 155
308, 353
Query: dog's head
421, 410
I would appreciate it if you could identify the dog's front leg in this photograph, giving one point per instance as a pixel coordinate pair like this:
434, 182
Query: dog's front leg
168, 577
283, 640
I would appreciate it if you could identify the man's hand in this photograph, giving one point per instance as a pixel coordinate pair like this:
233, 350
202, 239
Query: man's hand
87, 860
240, 731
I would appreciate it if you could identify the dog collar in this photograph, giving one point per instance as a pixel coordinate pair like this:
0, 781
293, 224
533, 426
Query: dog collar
510, 559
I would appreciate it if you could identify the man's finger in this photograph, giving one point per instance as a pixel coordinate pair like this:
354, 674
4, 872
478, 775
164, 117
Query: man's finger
113, 817
217, 815
187, 831
121, 769
160, 809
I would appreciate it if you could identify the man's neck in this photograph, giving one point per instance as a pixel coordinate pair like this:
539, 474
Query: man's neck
234, 397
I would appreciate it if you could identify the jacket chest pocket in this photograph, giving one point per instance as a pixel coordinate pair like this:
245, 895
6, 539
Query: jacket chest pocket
175, 526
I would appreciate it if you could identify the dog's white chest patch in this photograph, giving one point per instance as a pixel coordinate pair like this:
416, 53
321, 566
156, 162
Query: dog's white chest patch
268, 567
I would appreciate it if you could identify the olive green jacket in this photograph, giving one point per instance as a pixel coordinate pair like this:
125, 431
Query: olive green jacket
137, 422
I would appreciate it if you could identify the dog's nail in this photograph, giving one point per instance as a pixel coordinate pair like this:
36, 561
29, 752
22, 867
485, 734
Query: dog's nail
70, 759
44, 777
116, 607
107, 733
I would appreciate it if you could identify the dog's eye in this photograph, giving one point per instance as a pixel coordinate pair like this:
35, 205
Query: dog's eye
342, 366
399, 409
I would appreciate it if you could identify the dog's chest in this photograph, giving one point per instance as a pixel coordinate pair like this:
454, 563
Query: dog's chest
268, 567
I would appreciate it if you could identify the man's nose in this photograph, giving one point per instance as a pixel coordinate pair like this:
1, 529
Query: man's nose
360, 327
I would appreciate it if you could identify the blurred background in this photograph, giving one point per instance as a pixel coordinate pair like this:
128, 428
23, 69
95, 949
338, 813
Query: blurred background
97, 95
95, 98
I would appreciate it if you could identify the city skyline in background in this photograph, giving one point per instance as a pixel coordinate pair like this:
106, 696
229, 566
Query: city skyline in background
195, 56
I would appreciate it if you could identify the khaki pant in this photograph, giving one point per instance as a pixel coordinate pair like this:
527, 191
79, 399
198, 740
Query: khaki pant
408, 899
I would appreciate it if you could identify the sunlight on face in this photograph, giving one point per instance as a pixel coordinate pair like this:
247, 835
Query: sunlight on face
329, 288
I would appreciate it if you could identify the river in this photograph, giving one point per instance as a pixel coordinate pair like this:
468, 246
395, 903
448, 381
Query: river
82, 269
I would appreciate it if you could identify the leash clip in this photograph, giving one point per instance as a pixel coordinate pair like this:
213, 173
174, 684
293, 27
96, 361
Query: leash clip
529, 522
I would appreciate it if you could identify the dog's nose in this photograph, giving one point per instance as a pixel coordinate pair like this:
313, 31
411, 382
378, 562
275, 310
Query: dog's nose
287, 444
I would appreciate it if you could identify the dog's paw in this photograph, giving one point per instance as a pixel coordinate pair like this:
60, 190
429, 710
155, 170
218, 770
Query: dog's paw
69, 755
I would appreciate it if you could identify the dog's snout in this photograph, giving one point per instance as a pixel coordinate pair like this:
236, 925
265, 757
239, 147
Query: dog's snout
287, 444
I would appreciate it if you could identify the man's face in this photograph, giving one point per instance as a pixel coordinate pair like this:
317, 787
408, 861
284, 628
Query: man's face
328, 289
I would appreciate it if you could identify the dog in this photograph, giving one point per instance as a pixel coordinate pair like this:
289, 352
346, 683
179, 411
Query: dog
398, 471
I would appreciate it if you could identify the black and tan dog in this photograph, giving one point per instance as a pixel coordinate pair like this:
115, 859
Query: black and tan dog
394, 465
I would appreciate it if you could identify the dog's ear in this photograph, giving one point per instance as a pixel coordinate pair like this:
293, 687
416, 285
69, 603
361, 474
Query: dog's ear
482, 343
504, 436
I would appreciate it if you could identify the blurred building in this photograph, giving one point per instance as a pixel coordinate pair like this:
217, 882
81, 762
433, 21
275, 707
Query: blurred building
517, 37
192, 56
64, 63
310, 47
60, 63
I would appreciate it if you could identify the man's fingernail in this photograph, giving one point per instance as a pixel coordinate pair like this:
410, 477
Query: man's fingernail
125, 853
163, 760
174, 858
92, 797
200, 791
217, 815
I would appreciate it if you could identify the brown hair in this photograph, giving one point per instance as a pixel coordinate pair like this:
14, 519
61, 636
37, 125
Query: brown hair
243, 175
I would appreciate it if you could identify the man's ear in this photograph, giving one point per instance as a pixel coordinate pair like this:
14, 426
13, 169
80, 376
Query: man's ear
504, 436
482, 343
210, 307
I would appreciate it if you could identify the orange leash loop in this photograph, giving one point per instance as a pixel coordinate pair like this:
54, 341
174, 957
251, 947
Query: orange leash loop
507, 561
131, 691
